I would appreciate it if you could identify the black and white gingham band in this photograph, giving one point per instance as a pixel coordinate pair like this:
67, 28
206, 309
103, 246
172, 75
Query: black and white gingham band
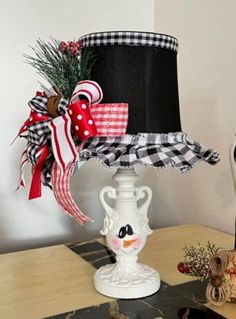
155, 150
39, 104
130, 38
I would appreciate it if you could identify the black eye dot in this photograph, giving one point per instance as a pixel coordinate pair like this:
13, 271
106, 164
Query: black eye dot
122, 232
129, 230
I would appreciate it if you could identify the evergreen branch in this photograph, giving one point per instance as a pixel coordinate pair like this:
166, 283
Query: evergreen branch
62, 68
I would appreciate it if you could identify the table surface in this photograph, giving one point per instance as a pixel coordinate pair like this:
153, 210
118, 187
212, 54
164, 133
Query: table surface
57, 281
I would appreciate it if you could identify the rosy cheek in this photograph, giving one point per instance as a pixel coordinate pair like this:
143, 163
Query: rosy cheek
138, 242
115, 243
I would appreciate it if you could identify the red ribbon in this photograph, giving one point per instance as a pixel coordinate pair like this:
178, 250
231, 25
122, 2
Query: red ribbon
35, 187
82, 121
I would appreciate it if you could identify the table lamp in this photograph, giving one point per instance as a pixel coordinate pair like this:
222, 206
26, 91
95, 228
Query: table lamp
126, 114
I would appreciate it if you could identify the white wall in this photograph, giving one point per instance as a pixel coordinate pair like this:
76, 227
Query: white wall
34, 223
207, 77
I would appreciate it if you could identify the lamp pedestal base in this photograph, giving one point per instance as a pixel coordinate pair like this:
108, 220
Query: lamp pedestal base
126, 228
126, 279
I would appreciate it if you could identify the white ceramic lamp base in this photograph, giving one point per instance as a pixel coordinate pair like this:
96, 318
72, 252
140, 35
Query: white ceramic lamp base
126, 228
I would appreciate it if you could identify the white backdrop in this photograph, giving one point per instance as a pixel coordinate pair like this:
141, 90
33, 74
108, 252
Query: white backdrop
26, 223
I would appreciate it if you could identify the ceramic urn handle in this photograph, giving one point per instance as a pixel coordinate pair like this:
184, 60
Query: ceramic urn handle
143, 209
111, 214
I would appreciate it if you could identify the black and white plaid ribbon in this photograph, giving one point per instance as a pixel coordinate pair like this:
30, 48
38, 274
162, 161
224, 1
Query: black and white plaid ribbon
130, 38
156, 150
39, 133
39, 104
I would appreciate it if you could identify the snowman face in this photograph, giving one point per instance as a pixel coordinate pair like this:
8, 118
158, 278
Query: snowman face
126, 241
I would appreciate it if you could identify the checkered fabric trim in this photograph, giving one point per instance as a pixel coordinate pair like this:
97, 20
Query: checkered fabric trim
156, 150
130, 38
111, 119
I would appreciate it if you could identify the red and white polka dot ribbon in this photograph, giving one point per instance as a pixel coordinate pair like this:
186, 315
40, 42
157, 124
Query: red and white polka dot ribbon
82, 121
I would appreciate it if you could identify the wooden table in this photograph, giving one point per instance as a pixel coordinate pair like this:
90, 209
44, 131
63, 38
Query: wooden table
57, 281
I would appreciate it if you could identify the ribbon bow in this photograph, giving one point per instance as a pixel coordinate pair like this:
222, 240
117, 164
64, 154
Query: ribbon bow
56, 130
49, 127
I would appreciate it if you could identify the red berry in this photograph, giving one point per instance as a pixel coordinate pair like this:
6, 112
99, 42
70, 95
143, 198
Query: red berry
62, 45
71, 43
182, 268
78, 45
74, 51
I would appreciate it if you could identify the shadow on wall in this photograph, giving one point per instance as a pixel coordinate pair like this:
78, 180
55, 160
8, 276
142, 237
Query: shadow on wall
162, 211
86, 184
30, 224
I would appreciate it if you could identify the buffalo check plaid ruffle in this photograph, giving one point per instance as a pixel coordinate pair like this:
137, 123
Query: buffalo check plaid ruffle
155, 150
130, 38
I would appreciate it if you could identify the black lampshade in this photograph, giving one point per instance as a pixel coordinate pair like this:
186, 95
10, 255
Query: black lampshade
138, 68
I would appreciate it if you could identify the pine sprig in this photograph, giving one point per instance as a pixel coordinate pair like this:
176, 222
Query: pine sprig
197, 259
62, 65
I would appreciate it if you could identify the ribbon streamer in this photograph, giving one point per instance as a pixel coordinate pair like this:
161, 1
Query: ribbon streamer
61, 189
63, 146
23, 162
35, 188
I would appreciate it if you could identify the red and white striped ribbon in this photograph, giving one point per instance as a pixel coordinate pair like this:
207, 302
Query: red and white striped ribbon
61, 188
23, 162
90, 89
63, 145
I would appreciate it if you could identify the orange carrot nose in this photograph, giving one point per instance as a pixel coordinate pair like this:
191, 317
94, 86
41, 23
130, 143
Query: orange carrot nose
127, 243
